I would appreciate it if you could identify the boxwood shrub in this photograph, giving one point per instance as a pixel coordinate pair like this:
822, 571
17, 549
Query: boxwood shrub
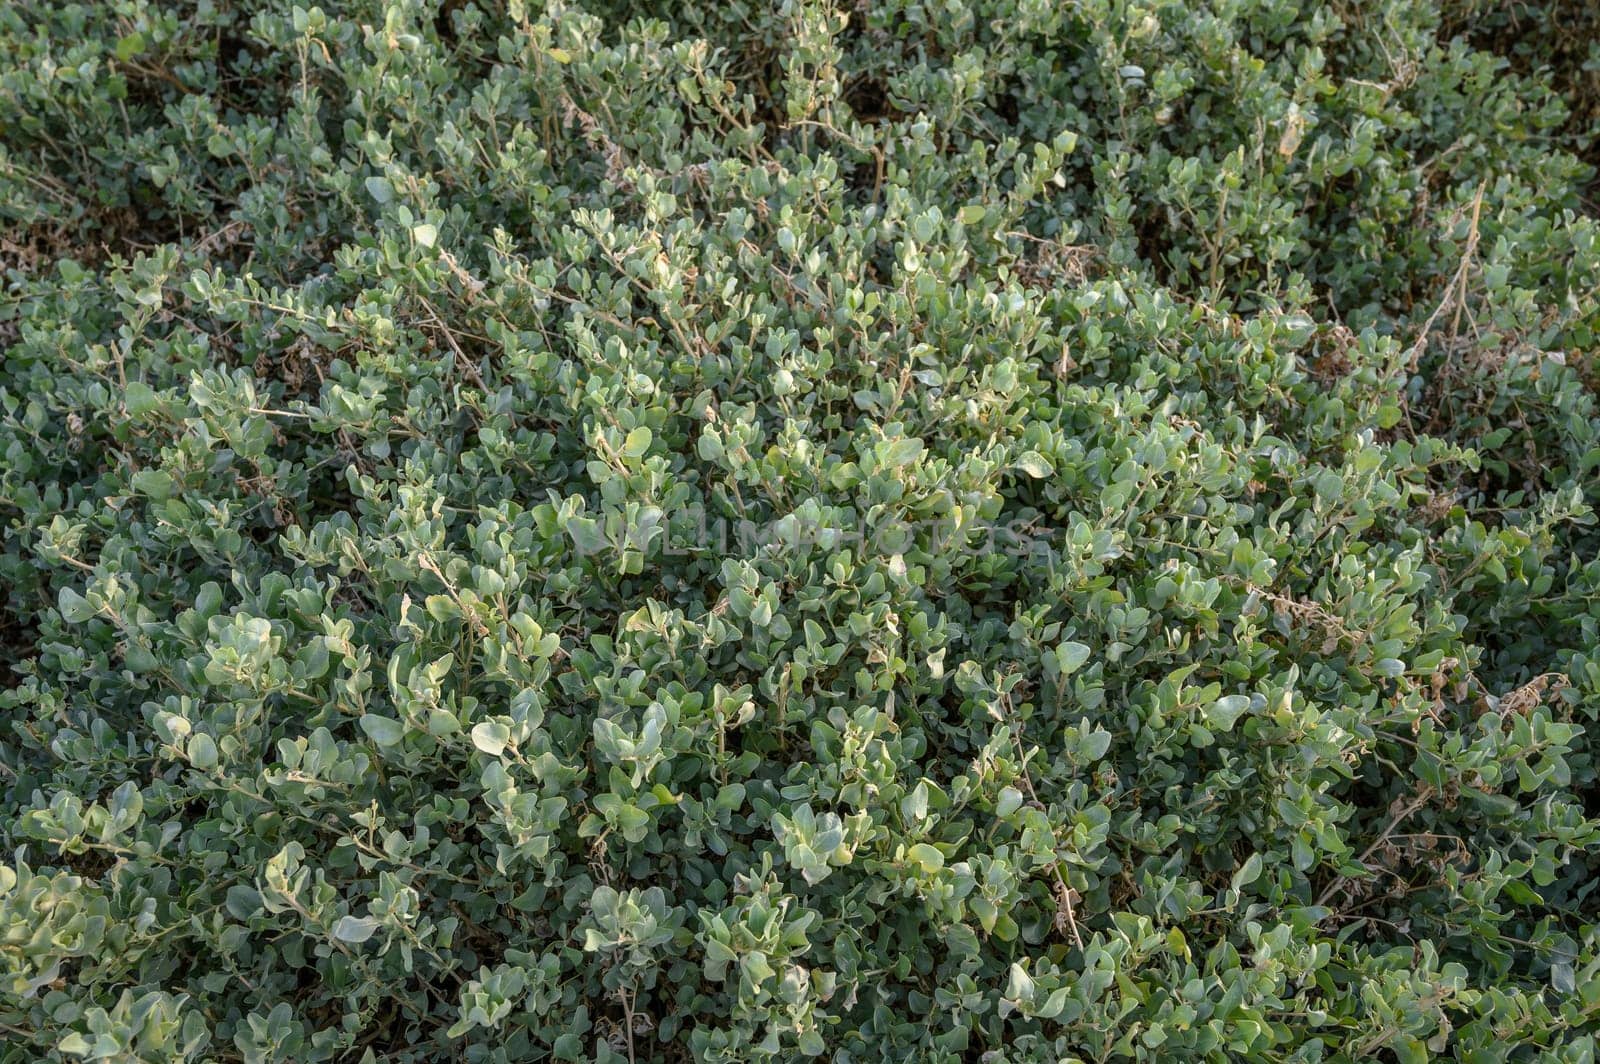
940, 530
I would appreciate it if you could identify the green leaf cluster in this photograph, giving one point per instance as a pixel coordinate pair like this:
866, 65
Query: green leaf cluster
939, 530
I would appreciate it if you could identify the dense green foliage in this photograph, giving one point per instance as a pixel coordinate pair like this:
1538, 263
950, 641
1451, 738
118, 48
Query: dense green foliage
915, 530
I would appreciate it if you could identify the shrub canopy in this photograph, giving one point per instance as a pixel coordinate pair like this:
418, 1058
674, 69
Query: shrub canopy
993, 531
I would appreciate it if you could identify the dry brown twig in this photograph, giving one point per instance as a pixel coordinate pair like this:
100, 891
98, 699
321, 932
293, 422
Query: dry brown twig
1052, 258
1065, 896
1455, 293
1401, 811
1310, 614
1523, 700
